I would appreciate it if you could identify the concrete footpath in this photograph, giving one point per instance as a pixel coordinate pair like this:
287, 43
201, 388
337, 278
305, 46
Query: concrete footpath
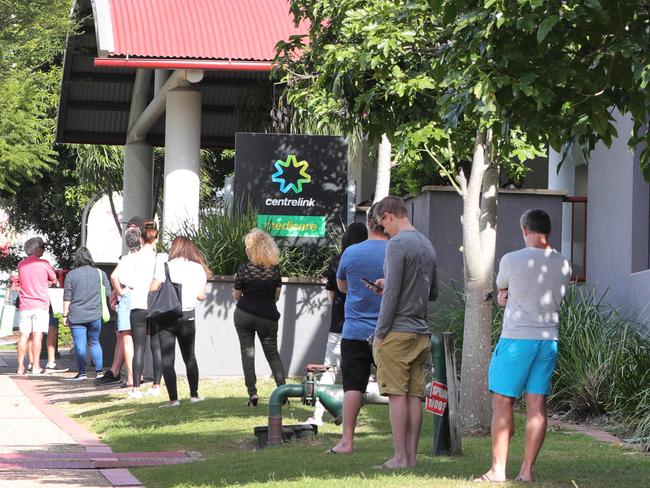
41, 446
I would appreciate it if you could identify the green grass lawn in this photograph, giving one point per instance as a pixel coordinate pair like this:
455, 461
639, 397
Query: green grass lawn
221, 429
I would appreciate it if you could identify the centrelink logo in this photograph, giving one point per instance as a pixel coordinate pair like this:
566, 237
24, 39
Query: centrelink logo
278, 176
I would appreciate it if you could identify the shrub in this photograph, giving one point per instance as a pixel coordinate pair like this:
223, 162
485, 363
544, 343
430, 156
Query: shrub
603, 363
221, 239
65, 335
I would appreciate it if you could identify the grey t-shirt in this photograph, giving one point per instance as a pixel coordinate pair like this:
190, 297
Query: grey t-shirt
537, 280
81, 289
411, 282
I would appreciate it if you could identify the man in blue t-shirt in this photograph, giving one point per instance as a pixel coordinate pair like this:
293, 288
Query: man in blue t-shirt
363, 261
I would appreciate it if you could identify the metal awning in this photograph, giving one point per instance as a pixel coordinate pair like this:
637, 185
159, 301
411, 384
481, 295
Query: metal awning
232, 40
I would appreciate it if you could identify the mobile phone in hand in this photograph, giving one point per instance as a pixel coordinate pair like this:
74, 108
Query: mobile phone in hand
371, 284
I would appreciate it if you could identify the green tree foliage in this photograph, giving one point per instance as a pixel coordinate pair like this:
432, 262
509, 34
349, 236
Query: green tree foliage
486, 81
50, 207
32, 36
554, 71
99, 169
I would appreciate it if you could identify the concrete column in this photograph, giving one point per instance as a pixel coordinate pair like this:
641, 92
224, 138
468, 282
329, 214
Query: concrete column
138, 180
160, 78
564, 180
137, 189
182, 159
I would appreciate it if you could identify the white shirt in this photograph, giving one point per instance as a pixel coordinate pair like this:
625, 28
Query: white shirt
126, 273
138, 269
537, 280
190, 275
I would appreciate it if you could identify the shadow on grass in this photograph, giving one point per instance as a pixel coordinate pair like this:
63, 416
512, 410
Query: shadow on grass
221, 429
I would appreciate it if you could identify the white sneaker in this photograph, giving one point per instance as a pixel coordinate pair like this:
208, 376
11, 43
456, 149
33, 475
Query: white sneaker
154, 392
196, 399
314, 421
54, 368
175, 403
134, 395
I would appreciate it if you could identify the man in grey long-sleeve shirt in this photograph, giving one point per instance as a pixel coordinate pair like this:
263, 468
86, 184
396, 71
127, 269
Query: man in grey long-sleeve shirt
402, 346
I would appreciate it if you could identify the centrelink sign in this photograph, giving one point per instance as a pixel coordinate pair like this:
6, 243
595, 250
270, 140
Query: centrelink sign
297, 183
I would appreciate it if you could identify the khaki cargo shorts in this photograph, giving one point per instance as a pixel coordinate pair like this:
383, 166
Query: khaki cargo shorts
403, 363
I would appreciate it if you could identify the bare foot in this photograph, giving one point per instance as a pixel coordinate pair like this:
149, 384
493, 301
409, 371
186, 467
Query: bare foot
340, 448
525, 479
489, 477
393, 464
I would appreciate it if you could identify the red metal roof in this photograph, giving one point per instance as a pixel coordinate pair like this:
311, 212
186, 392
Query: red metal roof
201, 29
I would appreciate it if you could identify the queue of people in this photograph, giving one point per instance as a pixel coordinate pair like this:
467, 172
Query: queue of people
380, 288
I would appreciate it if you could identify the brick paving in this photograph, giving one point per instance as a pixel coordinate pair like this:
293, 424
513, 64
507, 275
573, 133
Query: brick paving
597, 434
41, 446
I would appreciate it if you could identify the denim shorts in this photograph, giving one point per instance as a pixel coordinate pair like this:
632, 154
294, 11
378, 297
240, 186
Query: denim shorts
522, 365
124, 313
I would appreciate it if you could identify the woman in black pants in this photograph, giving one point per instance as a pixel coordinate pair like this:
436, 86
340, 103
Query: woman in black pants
187, 267
257, 289
142, 265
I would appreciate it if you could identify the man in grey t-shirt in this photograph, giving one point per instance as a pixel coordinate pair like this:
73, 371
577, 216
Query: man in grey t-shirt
402, 345
532, 283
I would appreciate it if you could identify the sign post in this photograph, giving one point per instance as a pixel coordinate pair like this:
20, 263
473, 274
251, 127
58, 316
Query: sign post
296, 183
437, 400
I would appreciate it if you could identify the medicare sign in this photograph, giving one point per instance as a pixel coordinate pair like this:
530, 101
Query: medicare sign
297, 183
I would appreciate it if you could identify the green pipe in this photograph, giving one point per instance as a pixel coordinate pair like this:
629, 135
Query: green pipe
331, 397
279, 395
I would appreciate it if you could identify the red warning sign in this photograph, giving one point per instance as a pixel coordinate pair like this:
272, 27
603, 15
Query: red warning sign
437, 400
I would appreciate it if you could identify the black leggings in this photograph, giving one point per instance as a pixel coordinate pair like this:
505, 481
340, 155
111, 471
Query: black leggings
139, 333
184, 330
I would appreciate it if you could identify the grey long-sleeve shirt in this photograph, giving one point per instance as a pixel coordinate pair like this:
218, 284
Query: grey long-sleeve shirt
81, 289
411, 282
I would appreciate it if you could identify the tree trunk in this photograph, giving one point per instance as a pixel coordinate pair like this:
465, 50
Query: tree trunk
479, 238
382, 187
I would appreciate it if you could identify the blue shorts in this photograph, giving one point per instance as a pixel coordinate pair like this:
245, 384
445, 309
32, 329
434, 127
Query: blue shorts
124, 313
522, 365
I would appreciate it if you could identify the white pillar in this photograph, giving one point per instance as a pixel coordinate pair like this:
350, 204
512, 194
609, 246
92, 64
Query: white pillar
160, 78
182, 159
138, 181
564, 180
137, 185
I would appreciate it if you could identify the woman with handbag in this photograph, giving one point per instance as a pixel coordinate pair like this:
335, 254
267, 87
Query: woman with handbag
85, 294
188, 272
257, 289
141, 266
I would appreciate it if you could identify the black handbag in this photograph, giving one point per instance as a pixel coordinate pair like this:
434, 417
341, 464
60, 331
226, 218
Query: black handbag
164, 304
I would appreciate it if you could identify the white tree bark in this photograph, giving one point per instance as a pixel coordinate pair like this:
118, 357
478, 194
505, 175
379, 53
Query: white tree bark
479, 242
382, 187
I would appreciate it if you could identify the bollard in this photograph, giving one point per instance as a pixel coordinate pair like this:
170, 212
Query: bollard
441, 435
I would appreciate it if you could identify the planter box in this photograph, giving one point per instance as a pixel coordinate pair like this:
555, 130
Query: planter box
302, 331
436, 212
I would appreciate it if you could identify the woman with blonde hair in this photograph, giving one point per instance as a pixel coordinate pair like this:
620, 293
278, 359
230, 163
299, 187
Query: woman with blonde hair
257, 289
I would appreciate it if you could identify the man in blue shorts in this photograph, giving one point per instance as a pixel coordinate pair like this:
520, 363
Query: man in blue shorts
532, 283
358, 262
